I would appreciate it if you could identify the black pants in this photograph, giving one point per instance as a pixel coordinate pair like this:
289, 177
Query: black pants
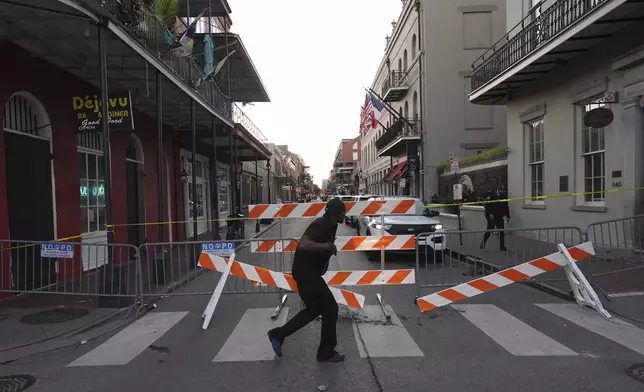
499, 224
318, 300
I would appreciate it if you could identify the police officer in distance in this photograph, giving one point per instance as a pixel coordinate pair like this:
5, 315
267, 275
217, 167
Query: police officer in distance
497, 211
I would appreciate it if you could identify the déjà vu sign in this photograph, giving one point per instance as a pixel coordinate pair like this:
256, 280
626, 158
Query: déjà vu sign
87, 110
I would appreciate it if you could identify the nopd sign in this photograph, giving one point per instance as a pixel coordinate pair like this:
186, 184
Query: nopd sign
87, 110
57, 251
222, 249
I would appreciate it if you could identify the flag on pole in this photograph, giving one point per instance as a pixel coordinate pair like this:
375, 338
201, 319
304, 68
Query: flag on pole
371, 112
187, 41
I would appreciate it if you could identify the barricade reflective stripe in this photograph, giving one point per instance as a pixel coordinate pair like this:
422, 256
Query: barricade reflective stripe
272, 278
503, 278
365, 278
353, 243
354, 208
370, 278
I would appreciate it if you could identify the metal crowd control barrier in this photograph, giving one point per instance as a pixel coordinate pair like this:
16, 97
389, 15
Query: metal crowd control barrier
125, 274
76, 269
443, 261
167, 268
619, 259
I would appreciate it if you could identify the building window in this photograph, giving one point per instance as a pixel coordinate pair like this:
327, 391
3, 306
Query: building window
223, 181
92, 191
413, 47
536, 160
592, 159
405, 60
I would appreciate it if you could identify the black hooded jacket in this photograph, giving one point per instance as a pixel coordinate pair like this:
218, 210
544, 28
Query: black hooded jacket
499, 209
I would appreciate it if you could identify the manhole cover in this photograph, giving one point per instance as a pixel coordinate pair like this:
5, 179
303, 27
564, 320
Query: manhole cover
636, 371
16, 383
54, 316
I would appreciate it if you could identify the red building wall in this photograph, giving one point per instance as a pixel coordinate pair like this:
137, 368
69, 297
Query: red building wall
54, 89
348, 150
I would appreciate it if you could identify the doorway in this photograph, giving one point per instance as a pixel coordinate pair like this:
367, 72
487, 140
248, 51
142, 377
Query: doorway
135, 184
30, 196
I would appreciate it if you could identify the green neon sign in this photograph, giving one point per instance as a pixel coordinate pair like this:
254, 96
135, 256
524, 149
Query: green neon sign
96, 191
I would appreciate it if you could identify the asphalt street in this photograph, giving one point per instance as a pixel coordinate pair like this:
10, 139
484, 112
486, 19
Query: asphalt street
512, 339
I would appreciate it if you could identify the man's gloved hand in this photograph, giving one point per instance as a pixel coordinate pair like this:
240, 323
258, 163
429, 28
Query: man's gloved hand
333, 249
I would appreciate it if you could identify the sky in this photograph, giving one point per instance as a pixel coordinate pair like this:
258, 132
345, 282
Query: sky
315, 59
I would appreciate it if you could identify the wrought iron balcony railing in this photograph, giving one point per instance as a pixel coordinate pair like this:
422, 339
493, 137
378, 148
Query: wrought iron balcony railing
239, 117
393, 81
148, 30
535, 30
401, 128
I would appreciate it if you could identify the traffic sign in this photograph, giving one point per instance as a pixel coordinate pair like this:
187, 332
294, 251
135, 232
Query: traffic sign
458, 191
221, 249
453, 161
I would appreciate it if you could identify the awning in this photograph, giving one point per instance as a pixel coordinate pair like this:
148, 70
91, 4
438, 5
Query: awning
403, 171
395, 173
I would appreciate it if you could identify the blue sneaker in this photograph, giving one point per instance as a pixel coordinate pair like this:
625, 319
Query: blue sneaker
334, 357
275, 343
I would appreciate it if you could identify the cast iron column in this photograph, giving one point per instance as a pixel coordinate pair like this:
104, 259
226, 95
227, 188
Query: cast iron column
256, 191
160, 215
213, 181
107, 156
193, 128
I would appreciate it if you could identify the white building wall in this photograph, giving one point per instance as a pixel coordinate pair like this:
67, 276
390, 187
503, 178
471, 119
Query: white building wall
553, 98
455, 33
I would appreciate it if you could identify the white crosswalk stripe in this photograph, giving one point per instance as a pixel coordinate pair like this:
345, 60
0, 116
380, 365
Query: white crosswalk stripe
511, 333
123, 347
248, 342
614, 329
383, 339
373, 336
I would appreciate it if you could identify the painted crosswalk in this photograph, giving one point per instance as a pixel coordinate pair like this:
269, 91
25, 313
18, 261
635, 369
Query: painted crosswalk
374, 335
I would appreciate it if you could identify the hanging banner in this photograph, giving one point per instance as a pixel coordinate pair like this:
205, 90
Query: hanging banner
87, 112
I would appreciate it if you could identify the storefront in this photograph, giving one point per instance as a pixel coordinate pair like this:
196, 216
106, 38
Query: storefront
52, 175
202, 196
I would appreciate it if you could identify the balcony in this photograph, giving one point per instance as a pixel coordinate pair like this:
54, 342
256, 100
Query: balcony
546, 39
395, 87
147, 31
395, 139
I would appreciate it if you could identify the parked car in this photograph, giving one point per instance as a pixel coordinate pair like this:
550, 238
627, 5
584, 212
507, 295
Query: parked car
424, 221
353, 220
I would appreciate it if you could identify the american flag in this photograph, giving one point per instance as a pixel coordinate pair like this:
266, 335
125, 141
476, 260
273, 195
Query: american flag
371, 112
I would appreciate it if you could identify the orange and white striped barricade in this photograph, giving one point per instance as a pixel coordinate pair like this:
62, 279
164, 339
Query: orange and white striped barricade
212, 304
504, 278
272, 278
344, 244
365, 278
353, 208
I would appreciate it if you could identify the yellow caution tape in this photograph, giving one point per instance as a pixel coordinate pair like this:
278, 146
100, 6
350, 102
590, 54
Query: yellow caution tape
533, 198
444, 205
56, 240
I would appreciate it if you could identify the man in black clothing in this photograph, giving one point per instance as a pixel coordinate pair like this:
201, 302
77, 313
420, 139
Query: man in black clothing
495, 214
310, 262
